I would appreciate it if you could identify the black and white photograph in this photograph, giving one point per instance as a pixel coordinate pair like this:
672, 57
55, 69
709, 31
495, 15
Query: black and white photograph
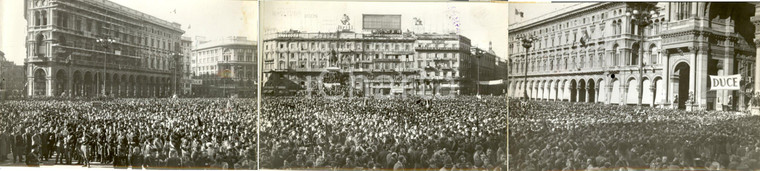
383, 85
140, 84
634, 86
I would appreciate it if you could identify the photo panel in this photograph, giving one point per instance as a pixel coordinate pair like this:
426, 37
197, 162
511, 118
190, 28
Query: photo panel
383, 85
139, 84
633, 85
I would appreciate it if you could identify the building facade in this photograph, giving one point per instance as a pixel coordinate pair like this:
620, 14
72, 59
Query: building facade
225, 67
388, 63
11, 79
64, 56
599, 53
186, 76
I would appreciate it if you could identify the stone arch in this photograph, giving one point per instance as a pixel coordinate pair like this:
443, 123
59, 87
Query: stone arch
532, 88
115, 85
581, 90
573, 90
616, 95
631, 93
89, 83
654, 57
539, 89
659, 96
566, 90
635, 54
601, 88
591, 90
40, 45
552, 90
131, 84
647, 97
40, 82
61, 80
77, 84
681, 74
558, 84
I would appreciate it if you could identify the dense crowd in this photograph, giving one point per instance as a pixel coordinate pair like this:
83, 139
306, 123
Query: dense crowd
365, 133
137, 133
578, 136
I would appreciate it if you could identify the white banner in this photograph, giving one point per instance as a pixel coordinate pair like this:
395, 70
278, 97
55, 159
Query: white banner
725, 82
491, 82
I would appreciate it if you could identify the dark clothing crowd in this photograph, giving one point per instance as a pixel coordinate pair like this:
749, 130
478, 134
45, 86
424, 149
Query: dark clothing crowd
460, 133
585, 136
136, 133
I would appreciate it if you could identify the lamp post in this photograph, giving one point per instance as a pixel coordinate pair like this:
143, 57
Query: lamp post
477, 53
106, 43
527, 42
238, 85
641, 17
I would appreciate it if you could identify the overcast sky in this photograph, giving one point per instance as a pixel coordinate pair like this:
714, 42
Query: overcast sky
533, 9
480, 21
210, 18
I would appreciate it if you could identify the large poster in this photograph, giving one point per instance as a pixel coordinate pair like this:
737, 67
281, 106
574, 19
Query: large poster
725, 82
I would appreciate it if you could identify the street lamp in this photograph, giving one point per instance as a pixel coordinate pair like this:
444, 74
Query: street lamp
238, 85
641, 17
477, 53
106, 43
527, 42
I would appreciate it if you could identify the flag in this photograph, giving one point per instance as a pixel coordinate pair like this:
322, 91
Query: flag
585, 37
520, 13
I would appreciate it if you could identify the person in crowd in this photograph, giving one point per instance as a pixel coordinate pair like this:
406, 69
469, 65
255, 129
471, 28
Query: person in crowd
574, 136
366, 133
131, 132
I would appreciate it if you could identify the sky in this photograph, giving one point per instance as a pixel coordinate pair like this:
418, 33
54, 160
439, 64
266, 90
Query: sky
212, 19
480, 21
533, 9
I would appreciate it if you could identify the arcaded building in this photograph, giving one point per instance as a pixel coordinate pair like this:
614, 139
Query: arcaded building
382, 60
65, 58
225, 67
654, 54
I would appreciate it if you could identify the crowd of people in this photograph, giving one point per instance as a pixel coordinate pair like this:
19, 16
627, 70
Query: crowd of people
364, 133
137, 133
579, 136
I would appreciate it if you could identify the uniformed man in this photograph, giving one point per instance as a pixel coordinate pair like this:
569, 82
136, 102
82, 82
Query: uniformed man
19, 147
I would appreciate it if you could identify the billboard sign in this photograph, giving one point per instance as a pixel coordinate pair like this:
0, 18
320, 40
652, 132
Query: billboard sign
381, 23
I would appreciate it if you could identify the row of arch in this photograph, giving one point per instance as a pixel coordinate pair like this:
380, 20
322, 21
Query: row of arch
592, 90
586, 58
90, 84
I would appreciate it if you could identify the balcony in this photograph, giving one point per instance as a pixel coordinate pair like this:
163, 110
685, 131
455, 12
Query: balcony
386, 60
445, 67
438, 48
442, 58
308, 69
430, 67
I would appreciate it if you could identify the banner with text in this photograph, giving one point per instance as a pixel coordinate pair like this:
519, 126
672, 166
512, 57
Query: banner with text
725, 82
